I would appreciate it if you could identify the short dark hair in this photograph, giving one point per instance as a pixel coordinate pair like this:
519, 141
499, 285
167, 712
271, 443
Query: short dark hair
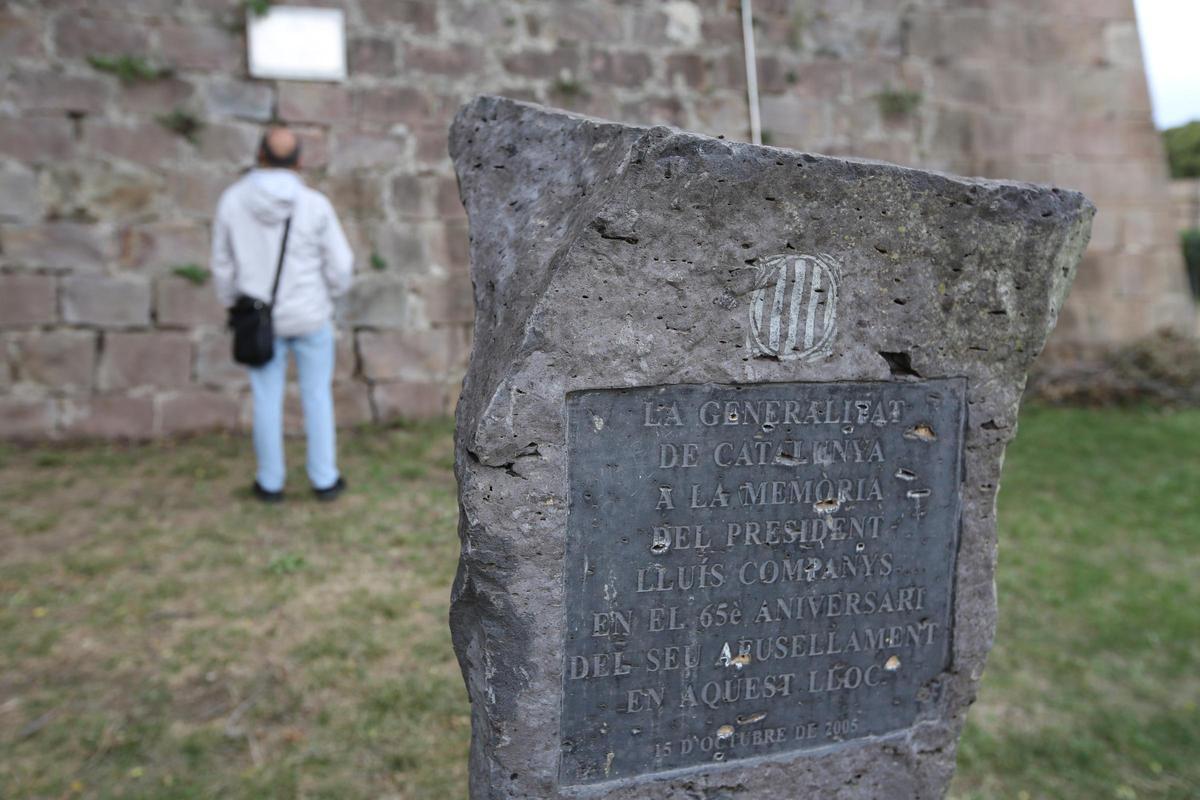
273, 159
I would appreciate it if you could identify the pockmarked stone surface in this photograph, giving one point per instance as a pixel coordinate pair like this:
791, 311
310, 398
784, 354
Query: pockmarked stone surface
728, 451
753, 570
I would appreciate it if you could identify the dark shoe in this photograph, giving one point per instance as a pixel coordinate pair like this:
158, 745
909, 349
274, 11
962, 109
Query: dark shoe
265, 496
331, 493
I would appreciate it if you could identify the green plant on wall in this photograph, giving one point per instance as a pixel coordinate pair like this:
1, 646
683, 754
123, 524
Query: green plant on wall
182, 123
258, 7
567, 87
898, 102
377, 262
129, 68
191, 272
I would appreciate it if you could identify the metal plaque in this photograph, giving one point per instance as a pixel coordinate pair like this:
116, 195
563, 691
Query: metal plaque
754, 570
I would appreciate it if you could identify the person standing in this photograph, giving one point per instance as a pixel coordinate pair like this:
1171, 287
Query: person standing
269, 210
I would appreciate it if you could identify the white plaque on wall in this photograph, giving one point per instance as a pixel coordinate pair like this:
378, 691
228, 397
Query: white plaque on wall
293, 43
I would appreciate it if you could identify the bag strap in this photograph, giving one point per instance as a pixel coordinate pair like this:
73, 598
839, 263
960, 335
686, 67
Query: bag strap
287, 226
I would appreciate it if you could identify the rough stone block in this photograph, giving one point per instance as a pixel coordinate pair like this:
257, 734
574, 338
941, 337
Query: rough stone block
384, 107
363, 150
84, 35
215, 366
157, 97
314, 148
144, 358
196, 411
27, 299
36, 140
27, 418
325, 103
345, 365
409, 400
20, 35
230, 143
622, 69
161, 246
180, 303
447, 301
452, 59
372, 57
411, 355
352, 403
106, 301
420, 15
60, 360
242, 99
544, 63
45, 91
75, 246
375, 301
196, 192
640, 287
104, 190
19, 201
141, 142
110, 417
199, 47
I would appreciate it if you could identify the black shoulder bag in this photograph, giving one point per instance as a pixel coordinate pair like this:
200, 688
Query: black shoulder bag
250, 319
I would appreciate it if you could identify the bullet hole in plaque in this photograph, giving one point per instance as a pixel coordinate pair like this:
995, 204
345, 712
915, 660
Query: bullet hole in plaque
847, 429
921, 432
859, 547
892, 664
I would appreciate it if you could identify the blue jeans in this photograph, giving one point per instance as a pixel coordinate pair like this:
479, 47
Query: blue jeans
314, 361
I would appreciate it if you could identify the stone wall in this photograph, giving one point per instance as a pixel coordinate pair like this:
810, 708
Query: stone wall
1185, 198
104, 202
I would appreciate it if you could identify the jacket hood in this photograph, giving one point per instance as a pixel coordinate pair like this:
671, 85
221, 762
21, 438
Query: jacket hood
271, 194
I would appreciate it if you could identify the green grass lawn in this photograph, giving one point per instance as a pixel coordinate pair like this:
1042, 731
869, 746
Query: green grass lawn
163, 636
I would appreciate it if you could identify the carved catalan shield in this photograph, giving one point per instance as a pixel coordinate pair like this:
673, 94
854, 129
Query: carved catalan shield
793, 309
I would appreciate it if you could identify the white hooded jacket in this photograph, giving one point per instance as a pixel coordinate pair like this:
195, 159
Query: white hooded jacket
247, 234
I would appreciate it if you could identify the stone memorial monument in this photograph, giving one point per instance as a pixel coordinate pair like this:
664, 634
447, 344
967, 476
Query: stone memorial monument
728, 452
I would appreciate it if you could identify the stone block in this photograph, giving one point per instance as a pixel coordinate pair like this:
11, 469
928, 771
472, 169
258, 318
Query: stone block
36, 140
449, 204
110, 417
314, 148
447, 301
146, 143
230, 143
214, 365
100, 189
408, 355
688, 68
19, 200
375, 301
413, 195
351, 150
450, 59
27, 418
180, 303
190, 46
251, 100
325, 103
419, 15
106, 301
160, 359
27, 299
20, 35
402, 248
157, 97
75, 246
430, 146
409, 400
449, 246
582, 22
621, 68
547, 63
83, 35
384, 107
352, 403
372, 57
196, 411
196, 192
161, 246
62, 360
345, 366
45, 91
355, 194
